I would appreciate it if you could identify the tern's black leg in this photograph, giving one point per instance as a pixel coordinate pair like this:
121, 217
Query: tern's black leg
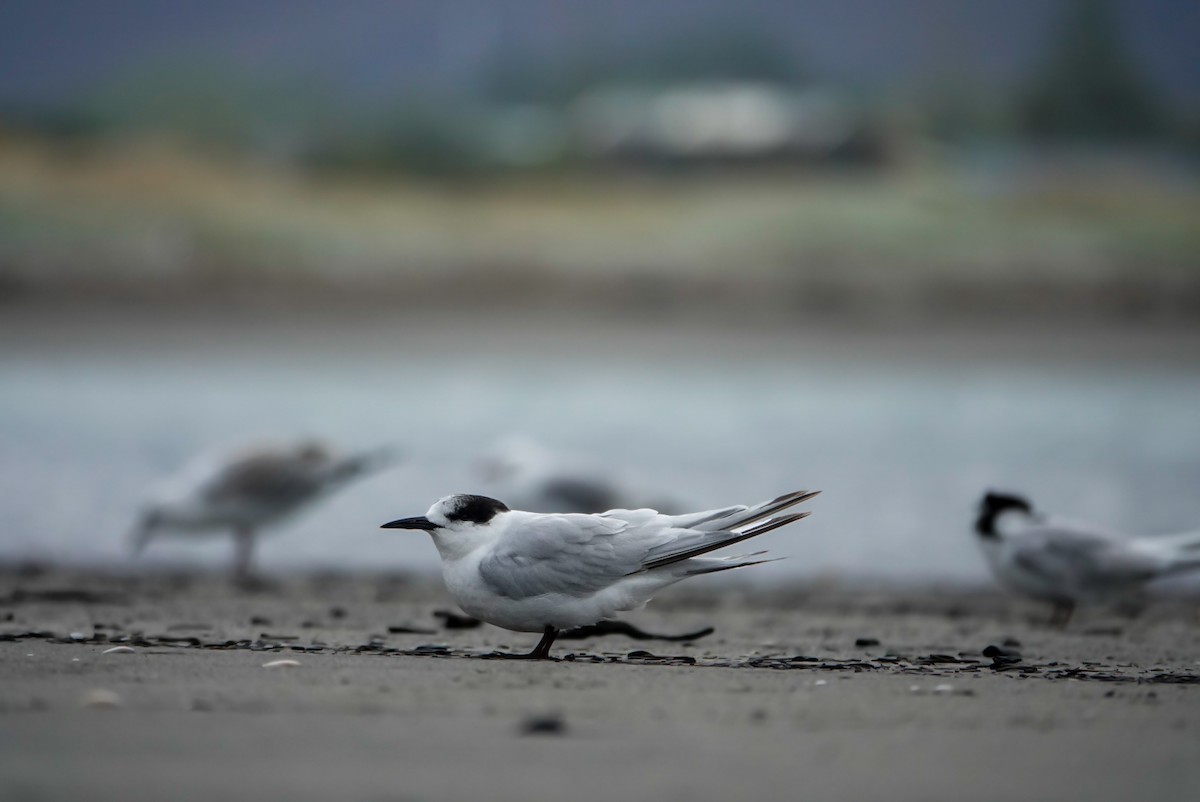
540, 652
1063, 610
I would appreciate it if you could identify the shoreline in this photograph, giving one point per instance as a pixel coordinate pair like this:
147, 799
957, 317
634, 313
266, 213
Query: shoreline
818, 690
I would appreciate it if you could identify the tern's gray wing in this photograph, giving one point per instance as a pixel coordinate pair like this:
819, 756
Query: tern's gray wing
575, 555
267, 478
1082, 560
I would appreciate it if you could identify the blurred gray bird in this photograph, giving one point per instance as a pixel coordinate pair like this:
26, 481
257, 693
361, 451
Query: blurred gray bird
532, 572
249, 489
1065, 562
534, 478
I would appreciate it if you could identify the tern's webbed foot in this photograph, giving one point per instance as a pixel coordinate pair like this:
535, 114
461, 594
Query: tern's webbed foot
511, 656
540, 652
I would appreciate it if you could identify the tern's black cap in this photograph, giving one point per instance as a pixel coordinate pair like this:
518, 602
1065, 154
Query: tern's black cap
992, 505
474, 509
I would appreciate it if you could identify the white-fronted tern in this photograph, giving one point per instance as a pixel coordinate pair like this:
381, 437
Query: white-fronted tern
248, 489
533, 572
1065, 562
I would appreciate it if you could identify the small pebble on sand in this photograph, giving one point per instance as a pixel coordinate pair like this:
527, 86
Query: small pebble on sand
544, 725
281, 664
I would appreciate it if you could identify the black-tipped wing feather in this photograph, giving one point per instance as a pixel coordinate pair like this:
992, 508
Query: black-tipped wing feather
716, 540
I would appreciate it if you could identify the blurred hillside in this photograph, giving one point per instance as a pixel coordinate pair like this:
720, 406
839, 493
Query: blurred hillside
822, 159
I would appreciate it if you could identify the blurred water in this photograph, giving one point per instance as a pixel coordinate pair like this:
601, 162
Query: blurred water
902, 448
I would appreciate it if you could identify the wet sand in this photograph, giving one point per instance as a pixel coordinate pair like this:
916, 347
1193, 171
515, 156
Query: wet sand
788, 698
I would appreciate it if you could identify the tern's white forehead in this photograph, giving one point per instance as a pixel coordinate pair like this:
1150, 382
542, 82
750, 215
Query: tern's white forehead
465, 508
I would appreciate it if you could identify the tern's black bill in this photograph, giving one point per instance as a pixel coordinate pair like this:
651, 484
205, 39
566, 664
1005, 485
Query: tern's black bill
420, 522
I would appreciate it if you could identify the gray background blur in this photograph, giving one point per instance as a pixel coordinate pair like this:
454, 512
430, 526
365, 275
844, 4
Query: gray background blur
898, 251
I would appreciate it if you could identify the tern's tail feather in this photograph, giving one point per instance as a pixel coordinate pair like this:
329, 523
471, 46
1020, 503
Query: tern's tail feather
1184, 564
1187, 544
363, 462
1181, 552
732, 518
710, 565
717, 529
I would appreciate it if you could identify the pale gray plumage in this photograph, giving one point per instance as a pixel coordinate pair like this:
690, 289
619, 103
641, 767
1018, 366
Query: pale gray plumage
1066, 562
547, 572
248, 488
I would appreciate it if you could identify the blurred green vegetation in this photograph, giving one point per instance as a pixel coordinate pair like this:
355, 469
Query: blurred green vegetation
189, 176
115, 215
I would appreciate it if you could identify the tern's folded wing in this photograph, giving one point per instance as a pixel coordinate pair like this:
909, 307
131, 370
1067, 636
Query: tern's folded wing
262, 478
1082, 560
575, 555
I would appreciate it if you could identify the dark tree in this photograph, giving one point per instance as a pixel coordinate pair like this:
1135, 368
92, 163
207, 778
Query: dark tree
1088, 87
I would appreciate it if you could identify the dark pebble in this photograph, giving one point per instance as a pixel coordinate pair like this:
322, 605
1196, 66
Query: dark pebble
543, 725
867, 642
407, 630
186, 639
941, 658
260, 621
337, 613
997, 652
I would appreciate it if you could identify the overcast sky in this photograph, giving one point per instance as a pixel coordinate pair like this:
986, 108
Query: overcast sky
53, 49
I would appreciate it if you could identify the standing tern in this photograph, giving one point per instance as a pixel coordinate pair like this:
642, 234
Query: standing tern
249, 489
533, 572
536, 479
1064, 562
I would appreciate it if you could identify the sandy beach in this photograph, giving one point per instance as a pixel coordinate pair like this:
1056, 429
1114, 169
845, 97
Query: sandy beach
816, 691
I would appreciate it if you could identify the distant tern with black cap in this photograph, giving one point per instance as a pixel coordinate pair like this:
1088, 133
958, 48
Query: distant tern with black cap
1066, 562
535, 572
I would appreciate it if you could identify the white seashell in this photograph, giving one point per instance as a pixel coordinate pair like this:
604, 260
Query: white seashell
281, 664
100, 698
943, 689
119, 650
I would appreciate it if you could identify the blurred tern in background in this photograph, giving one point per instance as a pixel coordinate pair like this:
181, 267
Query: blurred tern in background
532, 572
534, 478
249, 489
1064, 562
